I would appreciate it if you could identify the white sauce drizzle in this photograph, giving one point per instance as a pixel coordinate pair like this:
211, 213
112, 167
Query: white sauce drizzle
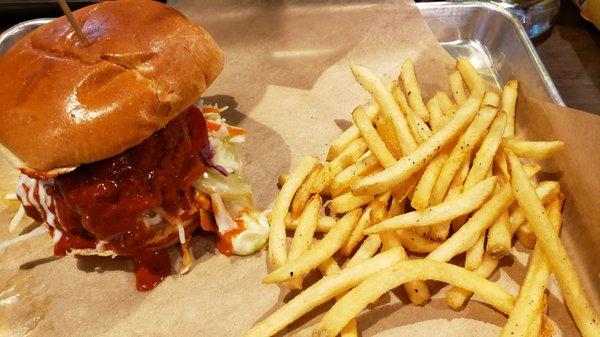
57, 236
21, 193
36, 190
46, 202
224, 221
181, 231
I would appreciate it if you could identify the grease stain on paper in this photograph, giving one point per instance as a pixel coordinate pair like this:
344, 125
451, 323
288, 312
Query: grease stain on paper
23, 305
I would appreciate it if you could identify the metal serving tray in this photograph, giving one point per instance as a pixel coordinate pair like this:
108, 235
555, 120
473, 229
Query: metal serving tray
491, 38
488, 35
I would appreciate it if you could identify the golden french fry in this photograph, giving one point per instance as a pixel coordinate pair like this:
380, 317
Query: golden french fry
418, 127
465, 203
400, 97
303, 193
277, 244
386, 130
350, 174
491, 98
469, 75
509, 103
546, 190
347, 157
462, 150
413, 92
541, 325
526, 236
373, 84
397, 207
456, 186
424, 232
282, 179
325, 248
499, 237
456, 168
351, 134
367, 249
417, 290
448, 108
538, 150
414, 161
403, 190
529, 301
370, 135
501, 164
357, 232
379, 207
348, 201
423, 189
436, 115
330, 268
546, 327
461, 175
474, 255
378, 210
456, 86
390, 240
303, 236
321, 292
531, 169
351, 304
324, 224
484, 157
470, 232
416, 243
585, 317
456, 296
350, 330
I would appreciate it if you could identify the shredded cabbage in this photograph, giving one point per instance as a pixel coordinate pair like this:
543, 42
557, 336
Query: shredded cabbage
224, 221
214, 182
226, 155
230, 193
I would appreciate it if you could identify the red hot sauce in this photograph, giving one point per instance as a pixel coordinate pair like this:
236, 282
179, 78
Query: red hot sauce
104, 201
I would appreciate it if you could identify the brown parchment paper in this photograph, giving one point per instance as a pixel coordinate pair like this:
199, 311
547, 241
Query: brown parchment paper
287, 81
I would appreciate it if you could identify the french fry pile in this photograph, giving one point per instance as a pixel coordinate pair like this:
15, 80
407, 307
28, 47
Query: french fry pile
442, 178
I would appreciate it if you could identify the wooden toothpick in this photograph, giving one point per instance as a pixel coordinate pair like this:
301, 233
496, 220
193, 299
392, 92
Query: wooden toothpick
65, 8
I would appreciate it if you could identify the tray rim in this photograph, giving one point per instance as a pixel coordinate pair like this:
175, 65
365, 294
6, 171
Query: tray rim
498, 9
492, 7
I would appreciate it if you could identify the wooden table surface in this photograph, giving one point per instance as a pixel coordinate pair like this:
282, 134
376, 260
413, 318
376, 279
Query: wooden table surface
571, 53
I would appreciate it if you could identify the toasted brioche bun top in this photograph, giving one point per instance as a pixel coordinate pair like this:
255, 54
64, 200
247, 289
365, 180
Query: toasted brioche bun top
63, 103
